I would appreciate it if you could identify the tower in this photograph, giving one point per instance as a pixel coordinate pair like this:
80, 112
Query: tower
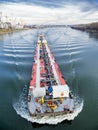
0, 16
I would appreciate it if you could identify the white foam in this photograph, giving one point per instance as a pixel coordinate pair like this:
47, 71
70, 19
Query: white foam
21, 108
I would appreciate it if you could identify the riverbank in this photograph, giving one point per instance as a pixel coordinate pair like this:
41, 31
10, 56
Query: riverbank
5, 31
91, 27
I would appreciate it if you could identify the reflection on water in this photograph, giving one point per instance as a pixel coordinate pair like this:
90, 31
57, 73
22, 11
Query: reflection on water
4, 37
1, 38
93, 35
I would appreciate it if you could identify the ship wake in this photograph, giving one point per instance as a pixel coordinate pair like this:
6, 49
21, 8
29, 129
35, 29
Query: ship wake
21, 109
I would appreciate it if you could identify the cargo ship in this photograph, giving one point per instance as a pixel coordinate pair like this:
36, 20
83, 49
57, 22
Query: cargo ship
49, 94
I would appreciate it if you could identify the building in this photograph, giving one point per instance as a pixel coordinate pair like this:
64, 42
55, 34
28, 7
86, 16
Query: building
5, 25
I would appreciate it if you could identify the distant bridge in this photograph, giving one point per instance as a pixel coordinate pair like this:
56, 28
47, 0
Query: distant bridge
44, 26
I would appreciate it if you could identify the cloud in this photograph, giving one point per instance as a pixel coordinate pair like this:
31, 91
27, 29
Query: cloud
68, 13
54, 3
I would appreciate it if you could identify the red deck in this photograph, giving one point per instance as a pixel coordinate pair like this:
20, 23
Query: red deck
43, 70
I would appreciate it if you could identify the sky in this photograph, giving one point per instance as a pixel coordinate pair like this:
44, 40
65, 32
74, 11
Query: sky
50, 11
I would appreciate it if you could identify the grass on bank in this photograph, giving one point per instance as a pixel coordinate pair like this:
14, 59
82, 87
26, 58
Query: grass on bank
5, 31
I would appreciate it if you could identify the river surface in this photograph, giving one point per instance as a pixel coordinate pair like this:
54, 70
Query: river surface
76, 52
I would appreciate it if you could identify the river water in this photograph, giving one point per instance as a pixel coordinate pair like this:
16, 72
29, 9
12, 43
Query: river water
76, 52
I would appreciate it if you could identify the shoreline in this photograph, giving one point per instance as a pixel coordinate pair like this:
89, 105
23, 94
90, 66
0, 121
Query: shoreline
86, 30
7, 31
91, 27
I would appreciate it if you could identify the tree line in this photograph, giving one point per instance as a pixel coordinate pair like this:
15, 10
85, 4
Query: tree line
91, 27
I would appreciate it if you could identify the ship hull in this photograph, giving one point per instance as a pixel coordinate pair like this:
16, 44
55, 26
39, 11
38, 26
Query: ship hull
49, 94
